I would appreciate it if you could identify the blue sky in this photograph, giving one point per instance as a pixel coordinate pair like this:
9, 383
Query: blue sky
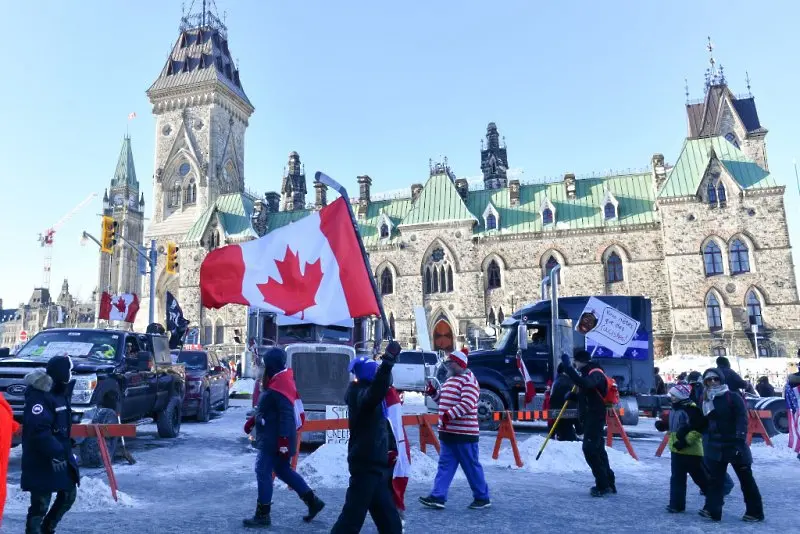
378, 88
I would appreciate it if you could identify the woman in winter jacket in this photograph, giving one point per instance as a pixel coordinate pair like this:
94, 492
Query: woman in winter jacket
726, 415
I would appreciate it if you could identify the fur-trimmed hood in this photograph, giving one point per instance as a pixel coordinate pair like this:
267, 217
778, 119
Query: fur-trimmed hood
39, 379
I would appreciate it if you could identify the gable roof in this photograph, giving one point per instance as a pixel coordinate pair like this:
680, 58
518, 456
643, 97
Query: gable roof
704, 116
685, 177
125, 173
438, 201
233, 212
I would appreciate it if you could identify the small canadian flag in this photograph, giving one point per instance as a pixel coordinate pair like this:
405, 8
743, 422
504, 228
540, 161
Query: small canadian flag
530, 389
118, 307
132, 115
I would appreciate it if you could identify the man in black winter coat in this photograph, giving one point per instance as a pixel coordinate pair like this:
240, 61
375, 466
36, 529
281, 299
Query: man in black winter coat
565, 431
735, 383
726, 414
592, 386
368, 449
764, 388
48, 465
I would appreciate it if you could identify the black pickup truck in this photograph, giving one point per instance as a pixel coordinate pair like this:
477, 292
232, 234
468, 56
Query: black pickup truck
118, 375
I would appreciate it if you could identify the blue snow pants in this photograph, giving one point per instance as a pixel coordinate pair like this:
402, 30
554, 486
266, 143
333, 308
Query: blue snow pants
265, 465
465, 455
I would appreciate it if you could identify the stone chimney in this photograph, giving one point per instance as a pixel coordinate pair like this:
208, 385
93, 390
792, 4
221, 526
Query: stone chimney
659, 171
513, 192
273, 201
569, 185
321, 194
259, 216
364, 184
463, 188
416, 189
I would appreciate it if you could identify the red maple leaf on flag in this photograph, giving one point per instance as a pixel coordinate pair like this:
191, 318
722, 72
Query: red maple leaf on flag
120, 304
296, 292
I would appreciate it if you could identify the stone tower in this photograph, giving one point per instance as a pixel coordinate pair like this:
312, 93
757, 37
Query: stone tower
494, 161
119, 272
201, 113
293, 187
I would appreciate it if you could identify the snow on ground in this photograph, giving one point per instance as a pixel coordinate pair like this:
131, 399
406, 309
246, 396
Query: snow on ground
243, 386
203, 482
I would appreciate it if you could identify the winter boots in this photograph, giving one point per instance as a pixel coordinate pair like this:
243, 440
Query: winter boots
595, 492
260, 519
314, 503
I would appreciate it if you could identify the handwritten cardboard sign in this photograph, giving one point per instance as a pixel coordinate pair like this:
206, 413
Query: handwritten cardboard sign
340, 435
607, 326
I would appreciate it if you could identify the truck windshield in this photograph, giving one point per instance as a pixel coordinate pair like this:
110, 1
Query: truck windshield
505, 335
311, 333
193, 360
97, 344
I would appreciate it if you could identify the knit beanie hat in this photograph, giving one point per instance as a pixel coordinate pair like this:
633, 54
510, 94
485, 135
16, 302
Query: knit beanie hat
460, 357
364, 369
680, 392
694, 377
582, 356
60, 369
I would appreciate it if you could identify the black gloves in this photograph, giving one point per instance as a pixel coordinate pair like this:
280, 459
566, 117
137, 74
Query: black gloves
661, 425
392, 350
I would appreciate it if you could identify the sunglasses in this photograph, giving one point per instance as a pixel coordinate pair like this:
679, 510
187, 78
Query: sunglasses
711, 379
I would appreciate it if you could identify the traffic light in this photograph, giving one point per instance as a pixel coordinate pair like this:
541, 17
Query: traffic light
109, 234
172, 258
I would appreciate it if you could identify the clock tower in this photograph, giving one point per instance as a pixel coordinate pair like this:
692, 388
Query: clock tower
119, 272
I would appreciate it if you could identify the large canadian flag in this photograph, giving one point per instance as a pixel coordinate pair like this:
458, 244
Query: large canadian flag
312, 269
118, 307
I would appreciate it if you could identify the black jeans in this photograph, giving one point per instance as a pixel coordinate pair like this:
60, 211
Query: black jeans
594, 450
682, 465
744, 472
368, 492
39, 518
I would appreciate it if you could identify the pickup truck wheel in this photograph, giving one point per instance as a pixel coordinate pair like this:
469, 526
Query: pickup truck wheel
489, 402
204, 410
89, 449
169, 419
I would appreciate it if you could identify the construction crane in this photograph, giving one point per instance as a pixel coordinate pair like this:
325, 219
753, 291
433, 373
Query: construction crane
46, 238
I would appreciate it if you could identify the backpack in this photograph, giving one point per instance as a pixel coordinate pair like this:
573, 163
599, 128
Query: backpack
612, 391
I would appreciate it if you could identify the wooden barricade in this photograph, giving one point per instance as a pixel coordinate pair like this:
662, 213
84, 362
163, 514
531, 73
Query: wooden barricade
101, 432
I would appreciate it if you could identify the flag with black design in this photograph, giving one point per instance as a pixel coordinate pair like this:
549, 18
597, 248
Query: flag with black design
176, 322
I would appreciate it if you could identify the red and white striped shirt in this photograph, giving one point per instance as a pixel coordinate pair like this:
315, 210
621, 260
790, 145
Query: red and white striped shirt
458, 398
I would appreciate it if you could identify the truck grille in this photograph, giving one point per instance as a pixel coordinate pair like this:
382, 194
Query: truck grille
321, 377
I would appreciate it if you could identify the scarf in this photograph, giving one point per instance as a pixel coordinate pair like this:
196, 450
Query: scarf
710, 394
283, 383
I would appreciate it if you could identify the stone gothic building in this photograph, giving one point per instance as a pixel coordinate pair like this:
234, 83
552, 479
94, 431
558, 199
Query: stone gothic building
705, 239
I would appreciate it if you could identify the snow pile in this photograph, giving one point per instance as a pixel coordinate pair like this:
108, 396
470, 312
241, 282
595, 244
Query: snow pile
94, 495
327, 467
562, 457
779, 451
243, 386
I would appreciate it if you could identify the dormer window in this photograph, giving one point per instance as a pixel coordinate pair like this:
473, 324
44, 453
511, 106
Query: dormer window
722, 197
384, 226
609, 211
548, 212
491, 222
711, 192
716, 195
384, 231
491, 217
547, 216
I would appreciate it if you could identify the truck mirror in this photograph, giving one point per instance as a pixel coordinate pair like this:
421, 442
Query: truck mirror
522, 336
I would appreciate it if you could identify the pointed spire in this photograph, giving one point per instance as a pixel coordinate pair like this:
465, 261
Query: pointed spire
141, 201
125, 173
747, 81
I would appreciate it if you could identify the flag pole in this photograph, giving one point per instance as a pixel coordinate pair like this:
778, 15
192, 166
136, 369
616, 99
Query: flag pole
339, 188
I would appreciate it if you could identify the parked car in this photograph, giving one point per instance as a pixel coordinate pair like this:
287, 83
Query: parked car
119, 375
412, 369
207, 383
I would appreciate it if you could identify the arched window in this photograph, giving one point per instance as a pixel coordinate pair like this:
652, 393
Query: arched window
213, 240
713, 312
391, 325
428, 285
493, 275
491, 222
208, 332
435, 280
712, 257
384, 231
500, 316
610, 211
387, 283
490, 319
547, 216
219, 333
754, 308
614, 268
190, 193
548, 267
719, 351
722, 197
711, 192
739, 257
175, 196
449, 279
442, 279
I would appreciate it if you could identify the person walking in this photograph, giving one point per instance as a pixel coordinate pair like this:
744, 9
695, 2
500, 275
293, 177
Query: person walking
685, 444
726, 414
592, 388
458, 434
565, 431
399, 452
48, 465
277, 418
368, 448
735, 383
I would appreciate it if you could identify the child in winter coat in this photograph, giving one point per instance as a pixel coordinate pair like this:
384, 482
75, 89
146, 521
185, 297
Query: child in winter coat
685, 428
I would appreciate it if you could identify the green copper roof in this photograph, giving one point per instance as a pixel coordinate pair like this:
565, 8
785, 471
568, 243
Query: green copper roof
233, 211
125, 172
685, 177
439, 201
